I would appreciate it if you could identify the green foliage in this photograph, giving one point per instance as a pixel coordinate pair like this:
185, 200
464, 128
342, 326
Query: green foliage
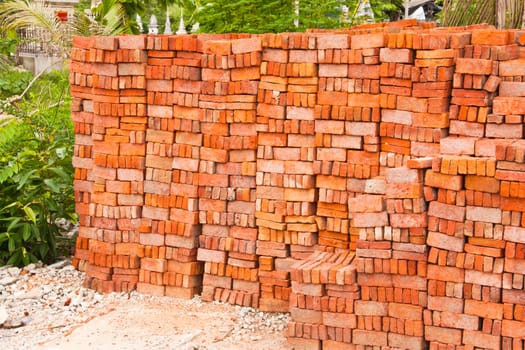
13, 81
8, 44
36, 173
262, 16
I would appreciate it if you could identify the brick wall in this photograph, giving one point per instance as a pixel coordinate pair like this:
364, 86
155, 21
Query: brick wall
370, 181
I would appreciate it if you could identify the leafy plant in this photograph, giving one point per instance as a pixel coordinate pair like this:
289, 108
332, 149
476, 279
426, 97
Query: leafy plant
36, 173
13, 81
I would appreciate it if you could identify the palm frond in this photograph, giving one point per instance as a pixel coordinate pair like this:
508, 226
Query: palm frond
16, 14
24, 14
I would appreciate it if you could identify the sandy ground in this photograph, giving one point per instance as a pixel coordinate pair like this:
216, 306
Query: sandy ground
167, 325
46, 308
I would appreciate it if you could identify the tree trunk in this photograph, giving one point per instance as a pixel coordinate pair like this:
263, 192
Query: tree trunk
501, 7
523, 18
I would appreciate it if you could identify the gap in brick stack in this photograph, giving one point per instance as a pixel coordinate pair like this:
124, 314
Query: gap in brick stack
369, 181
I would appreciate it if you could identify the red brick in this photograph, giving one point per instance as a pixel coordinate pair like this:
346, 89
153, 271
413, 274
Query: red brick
443, 335
370, 219
509, 105
306, 316
443, 241
511, 89
446, 304
333, 41
481, 340
369, 338
446, 273
396, 116
459, 321
490, 37
492, 215
365, 41
370, 308
473, 66
151, 264
366, 204
401, 341
512, 67
333, 70
483, 278
444, 181
396, 55
513, 329
213, 256
484, 309
408, 220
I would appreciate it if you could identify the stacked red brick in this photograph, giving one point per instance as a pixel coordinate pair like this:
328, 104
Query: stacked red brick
346, 126
82, 116
475, 256
285, 177
118, 138
330, 146
169, 230
230, 75
324, 289
510, 104
416, 79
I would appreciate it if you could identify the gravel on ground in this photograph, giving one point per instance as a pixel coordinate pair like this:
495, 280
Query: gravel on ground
46, 308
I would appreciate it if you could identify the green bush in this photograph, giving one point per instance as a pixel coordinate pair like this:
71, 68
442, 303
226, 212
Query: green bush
13, 81
36, 174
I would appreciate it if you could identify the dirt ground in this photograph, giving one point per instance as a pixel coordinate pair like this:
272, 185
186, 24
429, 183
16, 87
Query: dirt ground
168, 324
46, 308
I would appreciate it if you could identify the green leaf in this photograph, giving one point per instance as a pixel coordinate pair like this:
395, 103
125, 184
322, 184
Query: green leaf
15, 258
11, 244
52, 185
26, 232
14, 222
25, 257
43, 250
61, 173
30, 214
24, 178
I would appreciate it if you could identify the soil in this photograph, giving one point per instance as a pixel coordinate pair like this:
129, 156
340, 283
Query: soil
46, 308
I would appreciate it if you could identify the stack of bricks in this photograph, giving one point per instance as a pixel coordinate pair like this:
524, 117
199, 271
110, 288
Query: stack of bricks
368, 180
346, 131
270, 208
170, 230
285, 178
474, 129
510, 171
118, 152
324, 289
444, 319
416, 80
82, 117
230, 75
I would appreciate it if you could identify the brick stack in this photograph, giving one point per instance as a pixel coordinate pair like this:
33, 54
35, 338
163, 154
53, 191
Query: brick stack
257, 167
346, 133
510, 103
118, 136
446, 243
324, 288
476, 82
227, 169
285, 178
170, 229
184, 272
82, 116
416, 79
